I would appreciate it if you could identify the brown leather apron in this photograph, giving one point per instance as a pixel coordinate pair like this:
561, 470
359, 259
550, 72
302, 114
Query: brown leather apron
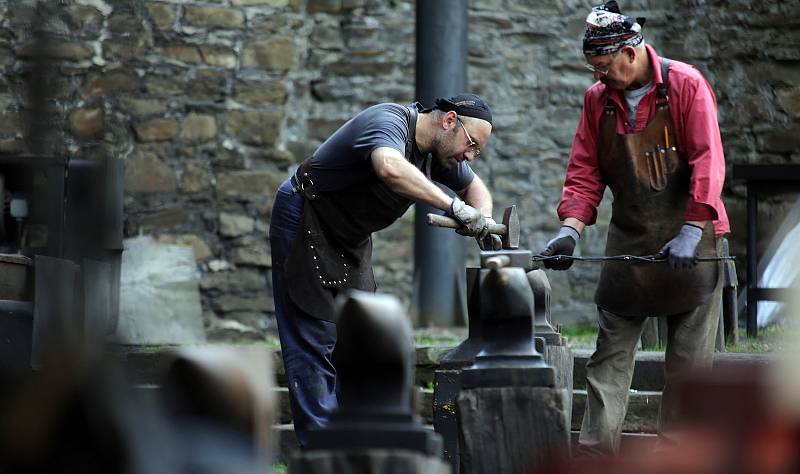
650, 185
332, 250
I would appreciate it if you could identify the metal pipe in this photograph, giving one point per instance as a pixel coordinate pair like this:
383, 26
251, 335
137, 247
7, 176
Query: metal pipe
441, 71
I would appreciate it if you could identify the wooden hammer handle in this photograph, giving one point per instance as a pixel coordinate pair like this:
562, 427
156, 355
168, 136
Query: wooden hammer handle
443, 221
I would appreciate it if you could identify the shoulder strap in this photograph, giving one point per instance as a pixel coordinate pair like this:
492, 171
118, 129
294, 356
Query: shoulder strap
663, 88
411, 114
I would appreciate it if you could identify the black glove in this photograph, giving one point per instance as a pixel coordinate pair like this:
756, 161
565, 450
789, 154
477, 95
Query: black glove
491, 241
563, 244
680, 251
473, 224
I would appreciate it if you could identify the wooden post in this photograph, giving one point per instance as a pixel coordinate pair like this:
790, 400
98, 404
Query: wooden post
512, 429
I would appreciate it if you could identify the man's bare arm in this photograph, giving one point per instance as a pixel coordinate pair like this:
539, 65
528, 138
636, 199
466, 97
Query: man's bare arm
406, 180
477, 195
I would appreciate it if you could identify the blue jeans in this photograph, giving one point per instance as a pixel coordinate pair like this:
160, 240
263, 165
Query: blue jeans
306, 342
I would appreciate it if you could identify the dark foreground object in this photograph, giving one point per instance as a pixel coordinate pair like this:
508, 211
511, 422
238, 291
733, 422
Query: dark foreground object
374, 429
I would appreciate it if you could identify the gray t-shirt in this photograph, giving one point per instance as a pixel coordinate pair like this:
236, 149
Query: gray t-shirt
633, 97
343, 160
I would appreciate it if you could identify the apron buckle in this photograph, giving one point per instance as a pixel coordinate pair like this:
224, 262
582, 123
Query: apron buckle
305, 186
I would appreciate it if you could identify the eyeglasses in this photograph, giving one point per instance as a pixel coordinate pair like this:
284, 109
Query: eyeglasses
472, 144
603, 71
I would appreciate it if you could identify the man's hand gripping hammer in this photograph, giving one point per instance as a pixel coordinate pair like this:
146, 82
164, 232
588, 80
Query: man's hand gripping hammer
508, 230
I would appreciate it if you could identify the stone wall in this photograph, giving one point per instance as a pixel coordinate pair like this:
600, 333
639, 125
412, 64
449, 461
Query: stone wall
211, 103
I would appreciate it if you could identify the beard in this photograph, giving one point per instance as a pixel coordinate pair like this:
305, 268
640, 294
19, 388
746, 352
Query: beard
442, 151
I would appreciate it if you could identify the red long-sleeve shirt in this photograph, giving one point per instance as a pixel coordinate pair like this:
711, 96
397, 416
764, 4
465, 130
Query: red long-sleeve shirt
694, 113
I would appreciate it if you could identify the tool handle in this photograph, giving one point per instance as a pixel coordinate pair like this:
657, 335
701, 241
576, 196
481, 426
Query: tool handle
437, 220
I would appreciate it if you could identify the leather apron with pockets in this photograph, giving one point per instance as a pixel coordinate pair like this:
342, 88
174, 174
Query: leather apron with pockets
650, 184
333, 248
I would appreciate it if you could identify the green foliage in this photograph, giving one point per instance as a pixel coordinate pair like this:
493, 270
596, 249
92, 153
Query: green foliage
279, 468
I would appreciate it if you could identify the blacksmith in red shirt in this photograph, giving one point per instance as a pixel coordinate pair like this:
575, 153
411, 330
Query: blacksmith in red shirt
648, 131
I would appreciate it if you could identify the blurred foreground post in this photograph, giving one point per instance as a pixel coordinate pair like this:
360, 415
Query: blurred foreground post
374, 429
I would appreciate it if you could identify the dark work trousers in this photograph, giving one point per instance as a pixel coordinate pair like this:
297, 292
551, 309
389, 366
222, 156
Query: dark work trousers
306, 342
609, 371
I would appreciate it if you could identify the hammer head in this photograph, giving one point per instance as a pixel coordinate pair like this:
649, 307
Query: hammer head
511, 221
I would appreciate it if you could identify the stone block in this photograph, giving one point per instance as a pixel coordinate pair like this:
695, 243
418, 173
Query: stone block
352, 67
146, 173
70, 51
261, 92
257, 255
199, 246
273, 54
186, 54
269, 3
108, 84
280, 158
198, 128
125, 48
207, 85
159, 129
789, 100
195, 179
235, 225
239, 281
751, 110
141, 107
324, 6
160, 221
327, 35
241, 184
254, 127
174, 84
322, 128
216, 56
124, 23
780, 140
84, 18
212, 17
230, 303
87, 123
161, 15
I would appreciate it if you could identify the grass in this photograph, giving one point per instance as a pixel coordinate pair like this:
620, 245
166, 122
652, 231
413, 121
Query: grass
583, 336
432, 337
770, 339
279, 468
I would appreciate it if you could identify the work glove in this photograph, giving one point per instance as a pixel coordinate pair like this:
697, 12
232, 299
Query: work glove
473, 224
563, 244
490, 241
680, 251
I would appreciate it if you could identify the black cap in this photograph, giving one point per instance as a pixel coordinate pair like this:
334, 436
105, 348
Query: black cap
468, 105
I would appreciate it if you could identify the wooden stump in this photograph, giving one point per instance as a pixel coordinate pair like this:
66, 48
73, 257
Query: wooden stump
367, 461
559, 356
511, 429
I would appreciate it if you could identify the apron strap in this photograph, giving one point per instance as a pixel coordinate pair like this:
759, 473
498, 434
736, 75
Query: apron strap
662, 98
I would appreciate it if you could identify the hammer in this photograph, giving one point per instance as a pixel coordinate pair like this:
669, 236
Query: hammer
508, 230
